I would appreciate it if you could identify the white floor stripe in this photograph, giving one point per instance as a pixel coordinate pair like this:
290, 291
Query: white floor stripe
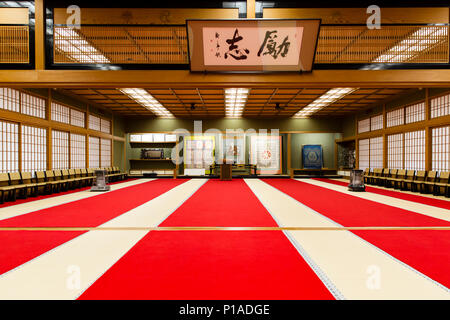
431, 211
426, 195
31, 206
68, 270
357, 269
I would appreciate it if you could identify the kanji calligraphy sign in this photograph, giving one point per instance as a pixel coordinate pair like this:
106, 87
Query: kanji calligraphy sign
252, 45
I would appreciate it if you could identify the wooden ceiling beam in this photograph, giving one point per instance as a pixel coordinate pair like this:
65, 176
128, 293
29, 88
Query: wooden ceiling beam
185, 79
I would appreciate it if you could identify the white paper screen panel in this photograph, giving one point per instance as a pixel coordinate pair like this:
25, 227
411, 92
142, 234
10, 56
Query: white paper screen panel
9, 147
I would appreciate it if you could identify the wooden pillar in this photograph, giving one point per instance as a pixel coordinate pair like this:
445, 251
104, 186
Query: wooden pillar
125, 155
356, 153
177, 157
19, 142
289, 155
385, 142
87, 150
49, 149
112, 140
251, 14
428, 134
86, 126
336, 155
48, 113
39, 15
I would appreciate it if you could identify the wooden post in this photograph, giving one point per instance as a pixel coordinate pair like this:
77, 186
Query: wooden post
177, 150
428, 134
336, 155
48, 116
251, 14
289, 156
39, 14
112, 140
86, 126
49, 149
385, 142
19, 149
87, 150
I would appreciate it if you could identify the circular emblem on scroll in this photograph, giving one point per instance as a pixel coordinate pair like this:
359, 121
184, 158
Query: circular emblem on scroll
267, 155
312, 156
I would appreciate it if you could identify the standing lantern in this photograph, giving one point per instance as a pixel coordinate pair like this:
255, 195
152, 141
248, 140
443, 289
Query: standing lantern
100, 181
356, 181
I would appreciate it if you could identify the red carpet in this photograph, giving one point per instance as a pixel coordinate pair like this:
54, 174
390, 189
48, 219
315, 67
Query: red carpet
426, 251
212, 264
19, 247
396, 194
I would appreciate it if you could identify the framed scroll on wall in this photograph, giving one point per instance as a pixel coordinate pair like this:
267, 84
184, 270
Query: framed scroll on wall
312, 156
234, 149
198, 154
265, 153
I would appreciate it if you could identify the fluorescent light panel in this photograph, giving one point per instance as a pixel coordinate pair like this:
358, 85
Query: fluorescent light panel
324, 100
235, 99
146, 100
421, 40
70, 42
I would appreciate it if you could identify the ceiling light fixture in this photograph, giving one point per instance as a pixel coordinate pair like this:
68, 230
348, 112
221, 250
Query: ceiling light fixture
421, 40
146, 100
73, 45
235, 99
324, 100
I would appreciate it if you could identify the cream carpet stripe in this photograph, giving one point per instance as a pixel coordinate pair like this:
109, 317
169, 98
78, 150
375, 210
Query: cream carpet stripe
31, 206
53, 275
424, 209
345, 259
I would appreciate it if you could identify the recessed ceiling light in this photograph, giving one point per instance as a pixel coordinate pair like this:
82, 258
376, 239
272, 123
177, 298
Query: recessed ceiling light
76, 48
235, 99
421, 40
146, 100
324, 100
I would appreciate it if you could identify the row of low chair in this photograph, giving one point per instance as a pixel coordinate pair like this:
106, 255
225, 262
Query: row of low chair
418, 181
23, 184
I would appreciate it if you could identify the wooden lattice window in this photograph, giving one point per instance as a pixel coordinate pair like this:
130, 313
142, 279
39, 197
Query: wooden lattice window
60, 113
94, 152
376, 123
9, 147
415, 150
105, 149
60, 150
77, 118
77, 151
32, 105
395, 117
363, 154
376, 152
10, 99
94, 123
395, 151
440, 106
415, 112
34, 149
441, 149
364, 125
105, 126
